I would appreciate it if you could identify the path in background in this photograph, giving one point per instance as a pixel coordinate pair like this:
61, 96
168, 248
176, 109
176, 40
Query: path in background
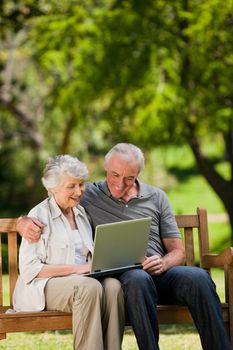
218, 217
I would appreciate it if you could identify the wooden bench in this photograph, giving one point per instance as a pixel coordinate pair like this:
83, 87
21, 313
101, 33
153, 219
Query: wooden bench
190, 225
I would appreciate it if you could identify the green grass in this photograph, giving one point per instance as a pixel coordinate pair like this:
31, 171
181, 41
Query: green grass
187, 189
219, 236
185, 197
171, 338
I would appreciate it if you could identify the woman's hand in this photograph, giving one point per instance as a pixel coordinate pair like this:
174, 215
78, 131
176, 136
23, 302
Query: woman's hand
82, 269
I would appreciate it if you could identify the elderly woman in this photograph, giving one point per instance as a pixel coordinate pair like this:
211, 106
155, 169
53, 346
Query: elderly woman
52, 270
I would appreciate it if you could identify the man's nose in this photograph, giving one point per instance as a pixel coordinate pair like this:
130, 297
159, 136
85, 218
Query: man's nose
120, 181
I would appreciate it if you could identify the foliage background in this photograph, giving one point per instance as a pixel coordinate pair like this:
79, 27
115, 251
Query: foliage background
78, 76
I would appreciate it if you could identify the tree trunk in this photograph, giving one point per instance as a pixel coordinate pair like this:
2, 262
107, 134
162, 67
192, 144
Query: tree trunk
71, 121
223, 188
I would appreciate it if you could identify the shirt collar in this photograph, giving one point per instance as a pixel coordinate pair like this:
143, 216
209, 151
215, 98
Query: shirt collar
56, 211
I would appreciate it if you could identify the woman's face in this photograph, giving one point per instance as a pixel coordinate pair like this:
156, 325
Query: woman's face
69, 193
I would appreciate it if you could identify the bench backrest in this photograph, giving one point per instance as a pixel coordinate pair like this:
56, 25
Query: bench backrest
191, 226
194, 226
9, 226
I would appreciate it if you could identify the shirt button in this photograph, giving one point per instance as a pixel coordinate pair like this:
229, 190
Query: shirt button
126, 205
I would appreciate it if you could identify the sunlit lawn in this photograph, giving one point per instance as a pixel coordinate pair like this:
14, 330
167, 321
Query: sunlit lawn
172, 337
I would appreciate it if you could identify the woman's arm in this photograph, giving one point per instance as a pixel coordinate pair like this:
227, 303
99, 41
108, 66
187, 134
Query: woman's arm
62, 270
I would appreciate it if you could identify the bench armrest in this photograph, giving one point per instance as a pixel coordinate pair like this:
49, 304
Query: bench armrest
218, 260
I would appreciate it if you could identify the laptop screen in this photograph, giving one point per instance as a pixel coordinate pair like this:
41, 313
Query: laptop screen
120, 245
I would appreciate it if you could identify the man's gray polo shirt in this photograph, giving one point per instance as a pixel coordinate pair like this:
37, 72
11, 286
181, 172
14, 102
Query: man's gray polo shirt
151, 201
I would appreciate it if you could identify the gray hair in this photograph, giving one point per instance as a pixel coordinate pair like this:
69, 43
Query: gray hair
60, 166
129, 152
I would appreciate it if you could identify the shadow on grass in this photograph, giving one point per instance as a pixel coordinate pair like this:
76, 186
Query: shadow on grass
183, 174
177, 329
60, 332
171, 329
164, 329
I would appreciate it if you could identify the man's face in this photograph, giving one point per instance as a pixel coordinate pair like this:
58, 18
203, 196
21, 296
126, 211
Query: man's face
120, 175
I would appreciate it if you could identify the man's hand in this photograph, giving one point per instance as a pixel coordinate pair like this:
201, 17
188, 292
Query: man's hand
153, 265
175, 256
29, 228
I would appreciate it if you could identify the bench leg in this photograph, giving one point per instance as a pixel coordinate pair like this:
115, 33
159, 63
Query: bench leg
2, 336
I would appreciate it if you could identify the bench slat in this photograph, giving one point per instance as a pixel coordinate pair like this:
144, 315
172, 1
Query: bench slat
189, 246
187, 220
12, 262
1, 283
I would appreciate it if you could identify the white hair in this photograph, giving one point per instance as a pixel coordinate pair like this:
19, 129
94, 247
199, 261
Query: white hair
60, 166
129, 152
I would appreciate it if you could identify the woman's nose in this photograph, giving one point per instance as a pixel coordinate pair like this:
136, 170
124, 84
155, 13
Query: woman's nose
78, 190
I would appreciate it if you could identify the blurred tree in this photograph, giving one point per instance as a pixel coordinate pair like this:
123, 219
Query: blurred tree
47, 59
14, 19
66, 47
166, 73
20, 137
92, 72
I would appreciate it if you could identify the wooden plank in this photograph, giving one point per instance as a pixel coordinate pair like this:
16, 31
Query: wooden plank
203, 233
42, 321
187, 220
1, 282
172, 314
189, 246
7, 225
24, 323
218, 260
230, 300
12, 262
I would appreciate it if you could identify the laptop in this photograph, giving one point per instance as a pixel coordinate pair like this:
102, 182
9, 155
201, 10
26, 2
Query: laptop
119, 246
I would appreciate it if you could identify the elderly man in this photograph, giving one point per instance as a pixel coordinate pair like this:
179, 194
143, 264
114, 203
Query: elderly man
163, 279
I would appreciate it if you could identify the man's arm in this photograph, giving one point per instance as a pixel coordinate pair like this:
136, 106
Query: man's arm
29, 228
175, 256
